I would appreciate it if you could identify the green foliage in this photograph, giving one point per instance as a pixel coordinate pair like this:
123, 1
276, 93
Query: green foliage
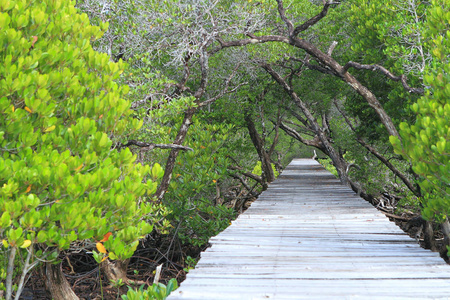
408, 203
60, 109
426, 143
258, 171
327, 164
194, 181
157, 291
190, 264
389, 33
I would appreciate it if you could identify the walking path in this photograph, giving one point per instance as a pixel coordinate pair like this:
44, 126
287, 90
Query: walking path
310, 237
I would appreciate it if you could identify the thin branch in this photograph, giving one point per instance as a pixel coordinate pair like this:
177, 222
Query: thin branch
277, 134
331, 48
225, 89
253, 40
181, 86
313, 67
282, 13
151, 146
299, 117
301, 129
384, 71
246, 174
203, 59
291, 132
313, 20
378, 155
247, 187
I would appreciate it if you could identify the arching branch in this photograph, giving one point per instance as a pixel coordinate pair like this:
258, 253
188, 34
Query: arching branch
385, 72
293, 133
313, 20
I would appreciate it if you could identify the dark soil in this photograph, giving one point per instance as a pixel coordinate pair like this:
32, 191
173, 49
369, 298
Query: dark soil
82, 271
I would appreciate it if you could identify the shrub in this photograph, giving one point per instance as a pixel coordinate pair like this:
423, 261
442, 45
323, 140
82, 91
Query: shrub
61, 180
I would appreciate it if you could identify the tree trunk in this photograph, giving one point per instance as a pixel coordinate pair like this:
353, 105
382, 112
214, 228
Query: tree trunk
266, 164
116, 270
170, 164
446, 231
56, 283
428, 236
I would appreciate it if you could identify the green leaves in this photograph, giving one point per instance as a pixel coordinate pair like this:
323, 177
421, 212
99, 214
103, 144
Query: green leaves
60, 179
157, 291
157, 171
426, 142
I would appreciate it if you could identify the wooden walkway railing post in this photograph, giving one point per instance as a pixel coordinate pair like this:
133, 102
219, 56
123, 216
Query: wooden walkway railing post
310, 237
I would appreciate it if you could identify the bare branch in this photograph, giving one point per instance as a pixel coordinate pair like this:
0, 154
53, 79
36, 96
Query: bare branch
282, 13
384, 71
225, 89
311, 21
253, 40
139, 103
313, 67
331, 48
244, 183
203, 59
246, 174
151, 146
299, 117
301, 129
187, 72
291, 132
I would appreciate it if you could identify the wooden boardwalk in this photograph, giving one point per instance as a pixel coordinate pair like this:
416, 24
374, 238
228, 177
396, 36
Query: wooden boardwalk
310, 237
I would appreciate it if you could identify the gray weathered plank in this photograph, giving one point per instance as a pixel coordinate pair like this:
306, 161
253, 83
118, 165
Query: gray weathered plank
309, 237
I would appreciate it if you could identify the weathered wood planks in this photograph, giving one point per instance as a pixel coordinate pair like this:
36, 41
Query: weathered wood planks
309, 237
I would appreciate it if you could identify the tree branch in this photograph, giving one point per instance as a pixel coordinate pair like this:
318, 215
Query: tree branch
151, 146
277, 134
385, 72
298, 117
331, 48
246, 174
313, 20
301, 129
253, 40
378, 155
247, 187
203, 59
291, 132
313, 67
225, 89
282, 13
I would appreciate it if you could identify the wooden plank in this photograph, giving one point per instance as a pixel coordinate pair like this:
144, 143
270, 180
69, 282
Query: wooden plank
309, 237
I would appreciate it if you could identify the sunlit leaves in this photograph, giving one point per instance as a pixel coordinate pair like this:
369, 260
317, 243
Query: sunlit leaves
61, 180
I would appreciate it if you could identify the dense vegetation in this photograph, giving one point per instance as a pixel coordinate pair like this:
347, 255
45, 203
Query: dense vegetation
124, 122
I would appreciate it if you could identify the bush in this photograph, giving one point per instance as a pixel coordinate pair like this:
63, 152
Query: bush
157, 291
61, 180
